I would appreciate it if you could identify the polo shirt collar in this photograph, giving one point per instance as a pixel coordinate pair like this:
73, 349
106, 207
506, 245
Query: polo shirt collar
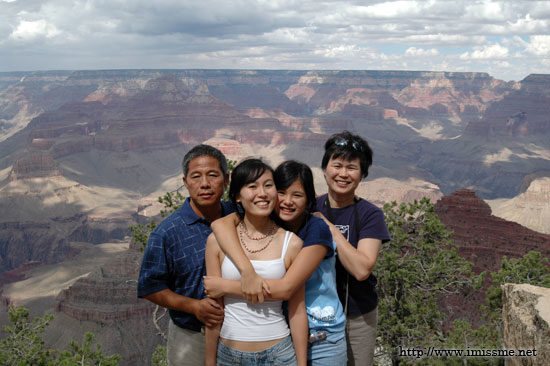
190, 217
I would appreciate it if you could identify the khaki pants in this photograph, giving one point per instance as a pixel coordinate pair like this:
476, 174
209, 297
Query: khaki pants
361, 337
184, 346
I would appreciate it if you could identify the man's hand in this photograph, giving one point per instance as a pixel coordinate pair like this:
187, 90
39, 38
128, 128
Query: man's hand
209, 312
253, 287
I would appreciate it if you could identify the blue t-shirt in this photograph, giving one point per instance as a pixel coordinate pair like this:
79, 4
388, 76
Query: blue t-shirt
362, 294
324, 310
174, 259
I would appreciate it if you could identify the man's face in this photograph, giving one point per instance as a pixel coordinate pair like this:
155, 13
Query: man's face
205, 181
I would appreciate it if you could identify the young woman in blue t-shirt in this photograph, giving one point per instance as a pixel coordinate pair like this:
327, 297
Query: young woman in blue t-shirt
314, 265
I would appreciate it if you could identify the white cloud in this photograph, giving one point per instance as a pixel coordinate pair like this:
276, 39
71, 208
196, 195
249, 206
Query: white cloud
455, 35
486, 52
413, 51
391, 9
539, 45
486, 10
445, 40
28, 30
528, 25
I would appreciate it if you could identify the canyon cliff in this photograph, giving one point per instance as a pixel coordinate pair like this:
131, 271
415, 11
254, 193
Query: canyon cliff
484, 239
85, 154
124, 131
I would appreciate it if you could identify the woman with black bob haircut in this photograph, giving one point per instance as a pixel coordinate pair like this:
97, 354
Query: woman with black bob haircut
314, 265
348, 146
358, 228
251, 333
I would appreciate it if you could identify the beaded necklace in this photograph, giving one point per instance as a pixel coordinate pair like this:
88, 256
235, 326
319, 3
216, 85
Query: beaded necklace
243, 229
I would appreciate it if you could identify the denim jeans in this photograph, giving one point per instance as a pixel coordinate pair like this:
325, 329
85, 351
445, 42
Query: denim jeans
327, 352
280, 354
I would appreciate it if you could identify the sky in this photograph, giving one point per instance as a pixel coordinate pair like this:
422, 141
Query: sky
507, 39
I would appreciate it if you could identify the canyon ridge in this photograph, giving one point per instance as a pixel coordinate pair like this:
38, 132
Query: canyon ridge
85, 154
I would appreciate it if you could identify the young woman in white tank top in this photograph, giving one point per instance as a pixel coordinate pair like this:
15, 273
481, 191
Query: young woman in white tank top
257, 332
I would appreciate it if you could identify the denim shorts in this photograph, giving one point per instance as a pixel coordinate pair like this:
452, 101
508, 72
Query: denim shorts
280, 354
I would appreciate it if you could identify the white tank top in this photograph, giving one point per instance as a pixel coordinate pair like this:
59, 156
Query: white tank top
244, 321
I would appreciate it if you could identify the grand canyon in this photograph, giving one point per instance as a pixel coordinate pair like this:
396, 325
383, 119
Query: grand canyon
85, 154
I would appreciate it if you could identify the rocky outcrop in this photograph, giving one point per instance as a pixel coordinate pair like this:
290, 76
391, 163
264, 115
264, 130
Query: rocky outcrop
523, 112
479, 235
483, 239
23, 243
98, 230
530, 208
34, 165
107, 295
127, 129
27, 242
106, 301
526, 323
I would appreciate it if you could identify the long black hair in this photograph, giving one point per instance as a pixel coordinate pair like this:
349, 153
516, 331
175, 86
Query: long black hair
247, 171
288, 172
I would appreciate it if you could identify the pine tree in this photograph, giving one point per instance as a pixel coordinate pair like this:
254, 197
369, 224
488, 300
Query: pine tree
24, 346
416, 269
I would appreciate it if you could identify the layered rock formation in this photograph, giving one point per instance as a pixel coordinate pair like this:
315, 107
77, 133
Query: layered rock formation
27, 242
126, 130
530, 208
484, 239
41, 215
82, 152
106, 303
526, 324
107, 295
523, 112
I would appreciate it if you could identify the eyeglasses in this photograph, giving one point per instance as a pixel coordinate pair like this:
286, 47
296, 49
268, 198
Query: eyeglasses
354, 144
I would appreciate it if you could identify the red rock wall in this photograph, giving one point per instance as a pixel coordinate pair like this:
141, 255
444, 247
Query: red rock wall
483, 239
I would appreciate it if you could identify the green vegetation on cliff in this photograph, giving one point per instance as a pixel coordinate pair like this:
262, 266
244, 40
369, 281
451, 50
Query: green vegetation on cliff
23, 345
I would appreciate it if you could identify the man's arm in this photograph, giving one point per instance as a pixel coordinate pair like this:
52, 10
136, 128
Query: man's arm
252, 285
153, 286
207, 310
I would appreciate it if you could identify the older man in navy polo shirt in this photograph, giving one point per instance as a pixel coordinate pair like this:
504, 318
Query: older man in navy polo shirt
173, 263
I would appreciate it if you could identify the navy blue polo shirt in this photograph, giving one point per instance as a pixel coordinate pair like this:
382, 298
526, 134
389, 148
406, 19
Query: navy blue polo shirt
174, 259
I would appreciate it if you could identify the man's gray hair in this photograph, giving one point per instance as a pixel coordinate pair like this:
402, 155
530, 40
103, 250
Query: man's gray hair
204, 150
